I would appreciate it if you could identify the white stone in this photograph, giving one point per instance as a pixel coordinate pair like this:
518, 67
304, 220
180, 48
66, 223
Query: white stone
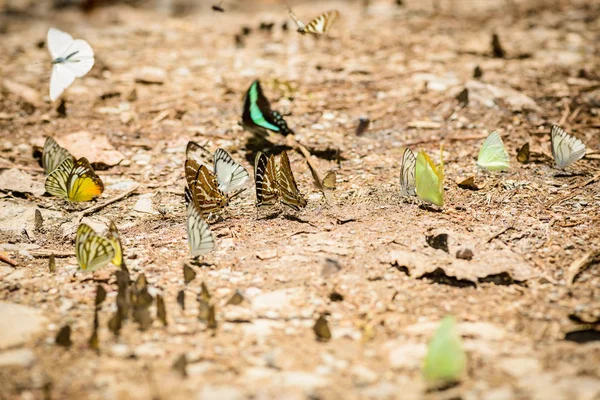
17, 358
19, 324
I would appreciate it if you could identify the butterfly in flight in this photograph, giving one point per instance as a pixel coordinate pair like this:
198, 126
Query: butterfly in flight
429, 179
492, 155
74, 181
230, 174
70, 59
92, 250
53, 155
407, 173
566, 149
200, 238
257, 116
317, 26
288, 189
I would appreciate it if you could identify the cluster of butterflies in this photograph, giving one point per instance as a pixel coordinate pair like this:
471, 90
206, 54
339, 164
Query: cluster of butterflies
420, 177
214, 179
74, 58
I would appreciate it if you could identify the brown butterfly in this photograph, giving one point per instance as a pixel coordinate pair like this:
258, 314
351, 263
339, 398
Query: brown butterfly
204, 188
265, 176
288, 189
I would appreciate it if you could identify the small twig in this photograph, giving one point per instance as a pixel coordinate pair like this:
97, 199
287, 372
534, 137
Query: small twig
93, 209
313, 168
47, 253
579, 265
500, 232
7, 260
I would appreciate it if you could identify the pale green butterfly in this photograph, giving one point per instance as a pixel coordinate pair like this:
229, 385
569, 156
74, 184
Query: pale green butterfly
493, 155
446, 360
429, 179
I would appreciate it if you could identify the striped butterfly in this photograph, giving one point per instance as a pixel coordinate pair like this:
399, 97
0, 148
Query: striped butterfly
317, 26
200, 238
74, 181
92, 250
288, 189
265, 177
230, 174
257, 116
53, 155
429, 179
407, 173
115, 240
492, 155
204, 188
566, 149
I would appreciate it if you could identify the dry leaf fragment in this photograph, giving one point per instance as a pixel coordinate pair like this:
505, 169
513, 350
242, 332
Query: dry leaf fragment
63, 337
469, 183
321, 329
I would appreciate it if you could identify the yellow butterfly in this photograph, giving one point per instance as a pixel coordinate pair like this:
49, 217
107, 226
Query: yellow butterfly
430, 179
53, 155
115, 240
92, 250
74, 181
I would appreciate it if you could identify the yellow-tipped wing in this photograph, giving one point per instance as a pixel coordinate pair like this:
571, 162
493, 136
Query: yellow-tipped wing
429, 179
115, 240
84, 184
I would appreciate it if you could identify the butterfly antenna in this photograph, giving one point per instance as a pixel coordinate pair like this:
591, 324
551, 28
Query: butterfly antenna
237, 193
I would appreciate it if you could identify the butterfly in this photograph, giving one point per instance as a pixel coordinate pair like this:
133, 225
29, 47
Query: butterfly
493, 155
200, 238
429, 179
288, 189
203, 188
317, 26
74, 180
53, 155
265, 177
70, 59
92, 250
321, 329
445, 361
330, 180
407, 173
523, 154
257, 116
566, 149
230, 174
115, 240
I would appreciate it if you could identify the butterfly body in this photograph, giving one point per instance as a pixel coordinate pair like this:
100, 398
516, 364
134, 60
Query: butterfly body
429, 179
258, 117
74, 181
70, 59
566, 149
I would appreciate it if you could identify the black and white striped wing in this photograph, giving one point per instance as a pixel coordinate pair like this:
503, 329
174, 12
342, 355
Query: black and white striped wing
93, 251
200, 238
230, 174
322, 23
265, 178
58, 179
566, 149
53, 155
407, 173
288, 188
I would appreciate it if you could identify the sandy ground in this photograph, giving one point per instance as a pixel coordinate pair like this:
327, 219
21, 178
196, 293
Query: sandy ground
530, 229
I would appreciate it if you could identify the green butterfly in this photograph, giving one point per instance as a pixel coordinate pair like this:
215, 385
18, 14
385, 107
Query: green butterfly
257, 116
445, 361
429, 179
493, 155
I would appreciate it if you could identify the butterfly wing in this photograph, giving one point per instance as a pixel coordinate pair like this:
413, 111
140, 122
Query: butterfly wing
566, 149
330, 180
290, 195
198, 153
207, 195
265, 178
61, 79
322, 23
407, 173
115, 240
191, 175
493, 155
299, 24
58, 42
200, 238
53, 155
257, 116
230, 174
57, 181
92, 251
83, 183
429, 180
78, 58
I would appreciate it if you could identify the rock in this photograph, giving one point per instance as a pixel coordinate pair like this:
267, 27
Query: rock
228, 392
518, 367
19, 324
491, 96
28, 94
402, 355
362, 376
151, 75
17, 358
24, 149
144, 204
150, 350
15, 180
305, 380
94, 147
279, 300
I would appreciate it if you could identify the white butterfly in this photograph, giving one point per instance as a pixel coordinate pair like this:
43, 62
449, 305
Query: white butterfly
566, 149
200, 238
70, 59
407, 173
230, 174
493, 155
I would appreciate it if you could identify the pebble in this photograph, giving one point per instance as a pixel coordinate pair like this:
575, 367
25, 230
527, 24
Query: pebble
151, 75
363, 376
19, 324
17, 358
464, 254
